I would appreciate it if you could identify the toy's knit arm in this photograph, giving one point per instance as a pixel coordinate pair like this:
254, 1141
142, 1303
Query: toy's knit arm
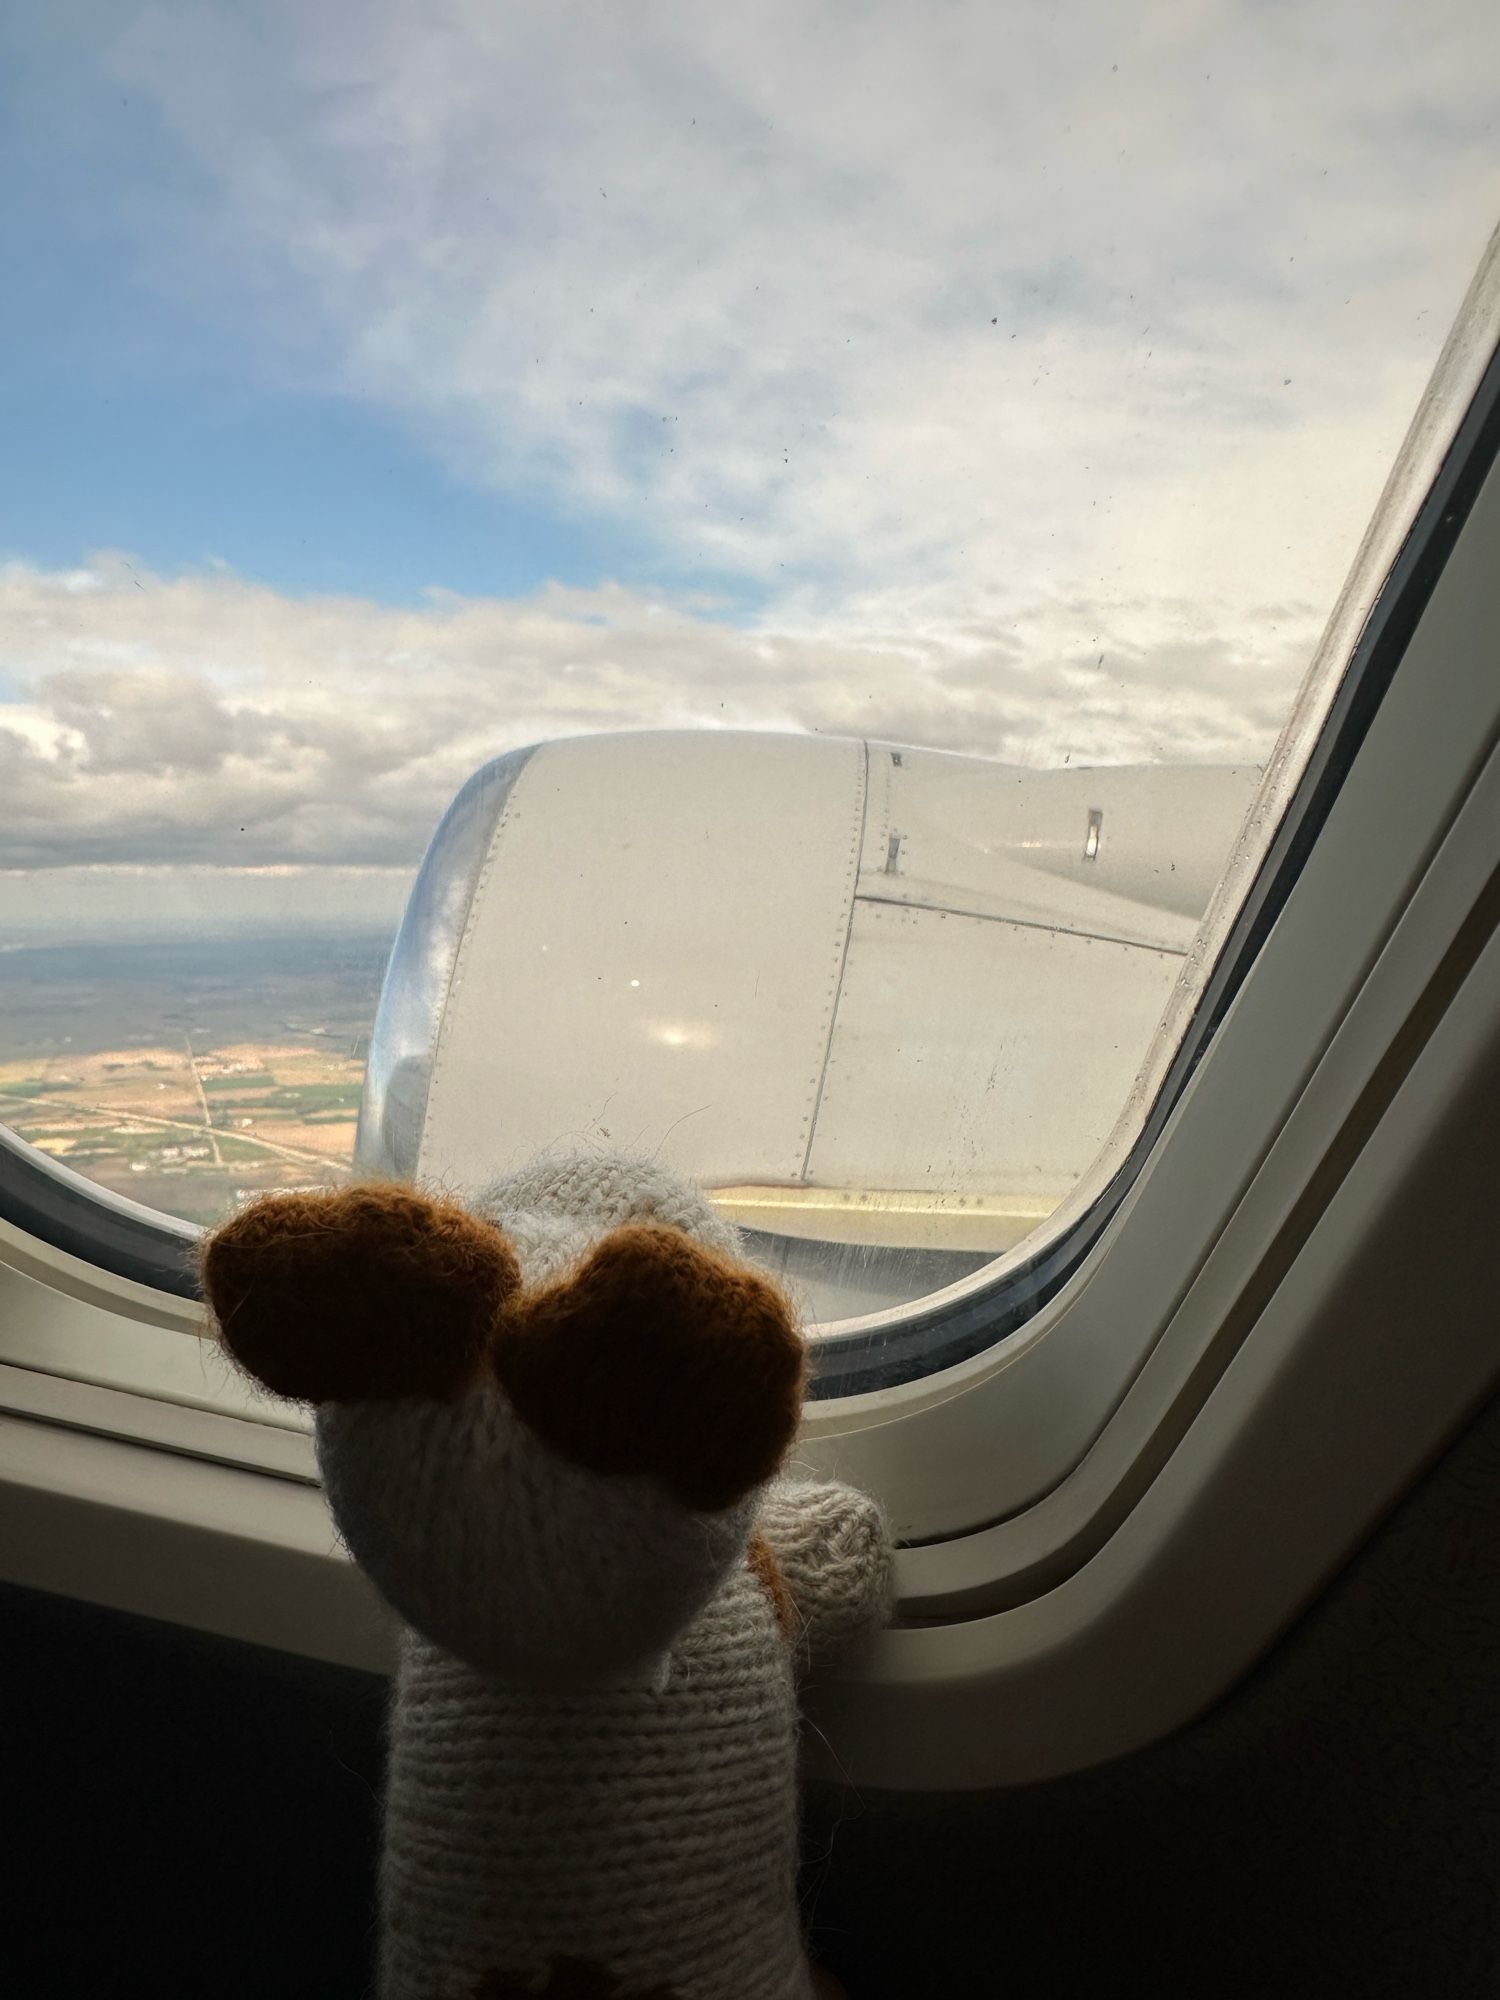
832, 1546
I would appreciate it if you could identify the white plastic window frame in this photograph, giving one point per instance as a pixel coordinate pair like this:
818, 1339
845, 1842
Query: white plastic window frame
1126, 1350
1016, 1480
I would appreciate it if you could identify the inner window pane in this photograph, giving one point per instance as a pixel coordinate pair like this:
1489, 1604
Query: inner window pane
385, 392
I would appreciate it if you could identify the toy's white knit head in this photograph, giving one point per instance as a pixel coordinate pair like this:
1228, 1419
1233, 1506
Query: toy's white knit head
572, 1491
553, 1209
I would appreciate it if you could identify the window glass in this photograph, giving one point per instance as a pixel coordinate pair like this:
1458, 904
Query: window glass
983, 406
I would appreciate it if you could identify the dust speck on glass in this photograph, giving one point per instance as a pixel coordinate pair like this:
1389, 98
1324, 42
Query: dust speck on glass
831, 509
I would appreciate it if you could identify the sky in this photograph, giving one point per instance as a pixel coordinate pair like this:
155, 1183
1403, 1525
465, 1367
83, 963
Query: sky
388, 385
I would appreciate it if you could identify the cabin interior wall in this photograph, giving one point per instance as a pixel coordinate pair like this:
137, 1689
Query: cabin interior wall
187, 1815
1333, 1826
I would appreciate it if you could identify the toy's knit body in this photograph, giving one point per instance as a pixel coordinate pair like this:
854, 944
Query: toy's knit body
653, 1834
552, 1448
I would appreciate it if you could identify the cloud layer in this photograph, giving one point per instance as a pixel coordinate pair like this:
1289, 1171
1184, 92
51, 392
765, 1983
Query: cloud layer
853, 299
208, 719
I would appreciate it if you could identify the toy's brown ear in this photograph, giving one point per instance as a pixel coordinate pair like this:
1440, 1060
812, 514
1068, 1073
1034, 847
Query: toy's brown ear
373, 1292
658, 1356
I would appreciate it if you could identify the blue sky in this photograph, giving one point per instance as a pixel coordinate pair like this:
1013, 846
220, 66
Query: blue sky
307, 494
143, 417
386, 386
140, 418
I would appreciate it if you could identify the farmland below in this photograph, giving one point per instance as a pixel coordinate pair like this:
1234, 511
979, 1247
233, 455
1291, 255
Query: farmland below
191, 1073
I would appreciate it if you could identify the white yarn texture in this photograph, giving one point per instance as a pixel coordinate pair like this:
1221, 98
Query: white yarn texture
593, 1737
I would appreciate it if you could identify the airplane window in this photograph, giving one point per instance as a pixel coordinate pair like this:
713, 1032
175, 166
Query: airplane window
867, 490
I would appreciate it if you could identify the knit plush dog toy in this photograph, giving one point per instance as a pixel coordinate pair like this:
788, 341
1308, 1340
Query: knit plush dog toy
549, 1432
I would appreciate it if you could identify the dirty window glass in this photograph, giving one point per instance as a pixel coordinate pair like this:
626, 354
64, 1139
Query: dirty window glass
979, 408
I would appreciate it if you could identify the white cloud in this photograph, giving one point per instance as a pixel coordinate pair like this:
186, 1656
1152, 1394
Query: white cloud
232, 724
865, 298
